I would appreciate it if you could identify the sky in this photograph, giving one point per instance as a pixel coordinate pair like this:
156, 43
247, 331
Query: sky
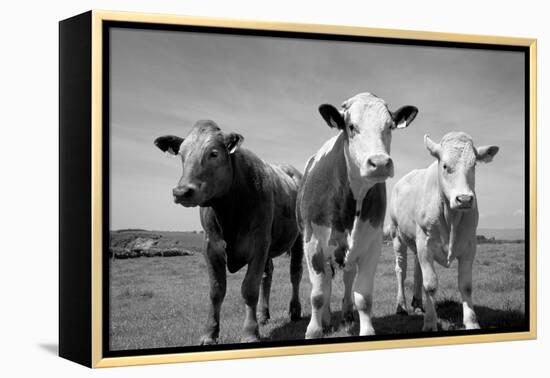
269, 90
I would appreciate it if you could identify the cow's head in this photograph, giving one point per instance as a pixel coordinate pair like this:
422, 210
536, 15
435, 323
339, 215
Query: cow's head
206, 157
368, 123
457, 158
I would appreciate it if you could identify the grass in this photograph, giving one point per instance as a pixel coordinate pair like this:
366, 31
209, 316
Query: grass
162, 301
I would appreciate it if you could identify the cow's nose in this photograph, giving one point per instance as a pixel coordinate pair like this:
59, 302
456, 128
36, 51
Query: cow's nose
184, 192
380, 165
465, 199
379, 161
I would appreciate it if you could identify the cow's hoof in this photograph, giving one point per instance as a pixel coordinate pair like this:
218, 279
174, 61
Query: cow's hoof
472, 326
416, 305
429, 328
400, 310
367, 332
314, 333
250, 338
208, 340
250, 335
264, 317
295, 311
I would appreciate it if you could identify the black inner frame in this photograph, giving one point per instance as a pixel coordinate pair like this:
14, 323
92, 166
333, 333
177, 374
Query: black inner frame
107, 25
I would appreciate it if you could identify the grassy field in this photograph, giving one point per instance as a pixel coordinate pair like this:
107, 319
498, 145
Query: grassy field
162, 301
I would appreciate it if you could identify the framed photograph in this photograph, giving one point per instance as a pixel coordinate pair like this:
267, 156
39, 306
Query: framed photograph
234, 189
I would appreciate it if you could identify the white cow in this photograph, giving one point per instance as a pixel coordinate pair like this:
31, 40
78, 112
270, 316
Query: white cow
434, 213
342, 202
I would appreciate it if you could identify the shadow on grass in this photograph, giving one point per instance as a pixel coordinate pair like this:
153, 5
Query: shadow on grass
290, 330
449, 313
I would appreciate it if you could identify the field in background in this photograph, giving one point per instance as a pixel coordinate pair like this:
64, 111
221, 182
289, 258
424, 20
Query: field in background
160, 302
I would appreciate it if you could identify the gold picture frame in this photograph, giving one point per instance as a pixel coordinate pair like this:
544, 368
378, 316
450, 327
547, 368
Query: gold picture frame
90, 328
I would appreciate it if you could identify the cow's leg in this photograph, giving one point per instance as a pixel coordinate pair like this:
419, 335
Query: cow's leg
465, 286
216, 265
400, 250
327, 313
429, 279
296, 269
364, 285
265, 289
319, 276
347, 303
416, 303
250, 290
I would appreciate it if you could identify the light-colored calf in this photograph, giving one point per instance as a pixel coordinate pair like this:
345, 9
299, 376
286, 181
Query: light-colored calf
434, 212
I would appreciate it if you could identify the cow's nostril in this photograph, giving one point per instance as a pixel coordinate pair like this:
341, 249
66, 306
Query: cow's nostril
184, 192
188, 192
371, 163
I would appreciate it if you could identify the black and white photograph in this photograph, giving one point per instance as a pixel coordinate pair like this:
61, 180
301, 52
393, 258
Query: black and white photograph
278, 189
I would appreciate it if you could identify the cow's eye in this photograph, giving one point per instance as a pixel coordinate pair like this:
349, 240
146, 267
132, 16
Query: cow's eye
448, 169
352, 129
213, 154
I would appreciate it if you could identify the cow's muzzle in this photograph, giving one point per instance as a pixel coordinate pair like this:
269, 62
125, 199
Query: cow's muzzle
379, 166
464, 201
185, 195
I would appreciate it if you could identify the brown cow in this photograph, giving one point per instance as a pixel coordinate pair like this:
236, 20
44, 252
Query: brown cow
247, 212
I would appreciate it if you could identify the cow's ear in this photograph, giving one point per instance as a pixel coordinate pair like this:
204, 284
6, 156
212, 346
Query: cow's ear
332, 116
233, 141
486, 154
431, 146
169, 143
403, 116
